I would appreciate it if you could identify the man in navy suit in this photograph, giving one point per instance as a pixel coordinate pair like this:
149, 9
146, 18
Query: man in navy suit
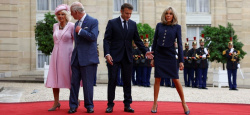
84, 58
118, 51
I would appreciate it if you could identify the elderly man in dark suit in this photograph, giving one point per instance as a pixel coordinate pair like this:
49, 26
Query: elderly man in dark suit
84, 57
118, 51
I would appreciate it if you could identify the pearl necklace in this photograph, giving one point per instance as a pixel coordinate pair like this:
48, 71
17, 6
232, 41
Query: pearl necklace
60, 27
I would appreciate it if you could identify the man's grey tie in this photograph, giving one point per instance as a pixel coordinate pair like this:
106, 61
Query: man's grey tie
79, 23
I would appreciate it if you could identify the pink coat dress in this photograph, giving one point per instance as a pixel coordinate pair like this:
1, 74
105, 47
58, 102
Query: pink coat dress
59, 75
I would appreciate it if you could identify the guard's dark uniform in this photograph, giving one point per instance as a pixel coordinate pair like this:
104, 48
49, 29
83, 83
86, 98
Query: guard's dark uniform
193, 54
137, 67
135, 58
146, 72
232, 62
203, 67
187, 68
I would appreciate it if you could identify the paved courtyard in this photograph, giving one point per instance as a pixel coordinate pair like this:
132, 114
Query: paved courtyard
30, 92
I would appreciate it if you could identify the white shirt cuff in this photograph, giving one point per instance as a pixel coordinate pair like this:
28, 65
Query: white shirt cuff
79, 31
106, 56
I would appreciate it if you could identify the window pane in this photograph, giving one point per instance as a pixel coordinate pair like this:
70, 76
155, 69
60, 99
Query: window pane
203, 6
118, 4
41, 59
42, 4
200, 29
134, 4
191, 33
191, 5
55, 3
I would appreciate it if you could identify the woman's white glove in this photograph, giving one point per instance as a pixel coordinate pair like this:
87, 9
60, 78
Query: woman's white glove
205, 50
232, 50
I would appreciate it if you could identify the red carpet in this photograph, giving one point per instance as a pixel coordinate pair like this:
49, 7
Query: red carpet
141, 108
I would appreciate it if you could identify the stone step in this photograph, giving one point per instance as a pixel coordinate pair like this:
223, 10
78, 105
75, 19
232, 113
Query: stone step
24, 78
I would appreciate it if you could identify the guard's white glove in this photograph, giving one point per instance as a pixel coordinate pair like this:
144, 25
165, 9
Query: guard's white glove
205, 50
235, 53
238, 65
176, 56
186, 57
204, 56
232, 50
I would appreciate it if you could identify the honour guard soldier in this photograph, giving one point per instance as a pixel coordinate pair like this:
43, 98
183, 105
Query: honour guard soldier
232, 65
187, 65
147, 67
203, 66
193, 54
141, 62
135, 58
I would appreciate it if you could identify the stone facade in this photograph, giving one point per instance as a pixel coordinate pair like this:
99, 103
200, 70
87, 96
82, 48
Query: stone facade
18, 19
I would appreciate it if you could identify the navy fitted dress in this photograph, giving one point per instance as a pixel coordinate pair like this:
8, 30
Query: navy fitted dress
164, 50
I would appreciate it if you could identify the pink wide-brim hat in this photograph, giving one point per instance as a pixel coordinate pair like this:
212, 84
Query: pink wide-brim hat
61, 7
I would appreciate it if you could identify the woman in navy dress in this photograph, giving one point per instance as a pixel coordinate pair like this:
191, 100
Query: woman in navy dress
164, 54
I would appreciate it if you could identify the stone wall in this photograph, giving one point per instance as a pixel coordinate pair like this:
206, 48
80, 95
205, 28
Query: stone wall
18, 18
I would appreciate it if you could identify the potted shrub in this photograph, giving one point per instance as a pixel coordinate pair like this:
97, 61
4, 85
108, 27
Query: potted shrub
217, 38
144, 29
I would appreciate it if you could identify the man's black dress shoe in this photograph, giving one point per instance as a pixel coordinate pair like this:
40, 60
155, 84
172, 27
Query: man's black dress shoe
72, 110
204, 88
90, 110
109, 110
235, 89
200, 88
230, 89
128, 109
168, 85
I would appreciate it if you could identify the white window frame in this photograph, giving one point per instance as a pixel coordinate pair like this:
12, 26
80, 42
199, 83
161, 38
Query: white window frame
126, 1
45, 11
197, 8
197, 35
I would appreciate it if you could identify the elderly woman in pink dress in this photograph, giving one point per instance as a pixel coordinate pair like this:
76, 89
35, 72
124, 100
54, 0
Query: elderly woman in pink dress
59, 75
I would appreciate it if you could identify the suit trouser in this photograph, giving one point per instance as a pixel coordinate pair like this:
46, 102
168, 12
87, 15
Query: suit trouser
187, 76
232, 84
126, 73
133, 75
119, 79
202, 77
87, 75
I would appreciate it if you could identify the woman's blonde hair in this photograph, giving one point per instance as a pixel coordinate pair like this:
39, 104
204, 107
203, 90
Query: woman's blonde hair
67, 14
163, 19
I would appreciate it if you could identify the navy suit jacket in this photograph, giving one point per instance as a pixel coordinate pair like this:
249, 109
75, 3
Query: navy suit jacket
117, 43
86, 42
165, 36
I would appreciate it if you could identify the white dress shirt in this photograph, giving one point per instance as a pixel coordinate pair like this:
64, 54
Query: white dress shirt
123, 23
81, 21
